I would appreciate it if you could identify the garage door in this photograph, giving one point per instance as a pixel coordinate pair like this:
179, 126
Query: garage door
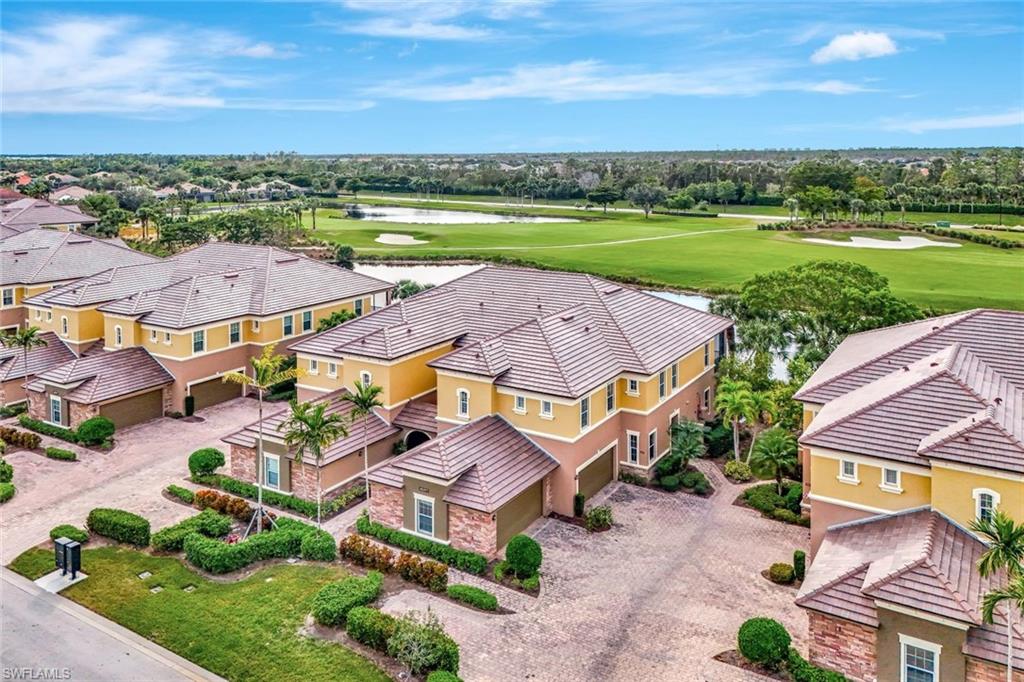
134, 410
598, 474
520, 512
212, 392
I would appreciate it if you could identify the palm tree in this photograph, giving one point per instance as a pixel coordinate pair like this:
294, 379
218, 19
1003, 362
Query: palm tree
687, 439
364, 399
267, 370
1005, 540
312, 203
775, 455
762, 409
310, 428
26, 339
793, 205
147, 213
734, 402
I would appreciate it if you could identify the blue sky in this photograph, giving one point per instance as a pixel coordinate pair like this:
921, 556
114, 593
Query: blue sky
360, 76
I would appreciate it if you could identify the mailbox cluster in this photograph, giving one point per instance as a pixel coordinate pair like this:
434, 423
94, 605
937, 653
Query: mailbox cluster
68, 556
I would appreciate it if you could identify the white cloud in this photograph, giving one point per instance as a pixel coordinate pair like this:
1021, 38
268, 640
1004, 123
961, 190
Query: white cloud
925, 125
433, 20
854, 46
388, 27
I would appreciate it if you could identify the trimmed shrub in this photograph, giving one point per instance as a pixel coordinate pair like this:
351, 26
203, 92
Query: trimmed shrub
780, 573
7, 491
318, 546
474, 596
523, 555
799, 564
45, 429
578, 503
422, 645
70, 532
470, 562
95, 430
738, 471
802, 671
359, 550
702, 488
693, 478
6, 471
793, 497
275, 499
532, 583
599, 518
764, 498
718, 439
333, 602
443, 676
370, 626
190, 405
205, 461
13, 410
119, 525
183, 494
670, 483
61, 454
763, 641
430, 574
668, 466
217, 556
208, 522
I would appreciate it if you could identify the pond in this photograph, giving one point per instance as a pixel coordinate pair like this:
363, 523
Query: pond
434, 216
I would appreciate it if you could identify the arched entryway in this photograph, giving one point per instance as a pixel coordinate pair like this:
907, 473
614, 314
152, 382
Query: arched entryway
414, 438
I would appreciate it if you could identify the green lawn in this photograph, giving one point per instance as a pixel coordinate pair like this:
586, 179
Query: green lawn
700, 254
244, 630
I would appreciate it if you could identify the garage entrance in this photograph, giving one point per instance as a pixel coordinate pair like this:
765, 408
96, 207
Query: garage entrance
134, 410
597, 474
212, 392
520, 512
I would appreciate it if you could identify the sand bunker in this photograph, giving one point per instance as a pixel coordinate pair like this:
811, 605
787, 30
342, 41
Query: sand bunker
398, 239
902, 244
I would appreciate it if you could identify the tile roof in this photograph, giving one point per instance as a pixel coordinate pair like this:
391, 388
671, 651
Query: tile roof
105, 376
37, 256
70, 193
41, 359
418, 416
917, 559
529, 328
490, 461
376, 428
38, 212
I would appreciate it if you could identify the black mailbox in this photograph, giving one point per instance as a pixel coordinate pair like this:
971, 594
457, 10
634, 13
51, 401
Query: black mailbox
60, 553
67, 556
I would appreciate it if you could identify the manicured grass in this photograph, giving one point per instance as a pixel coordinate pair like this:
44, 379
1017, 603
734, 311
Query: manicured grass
34, 564
244, 630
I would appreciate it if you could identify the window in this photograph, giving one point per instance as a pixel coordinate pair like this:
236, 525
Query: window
234, 332
545, 409
707, 354
675, 376
39, 314
255, 324
985, 503
289, 324
118, 335
332, 369
848, 471
198, 341
167, 338
652, 446
609, 397
425, 516
919, 660
55, 411
462, 402
8, 297
520, 404
673, 420
585, 413
891, 480
705, 400
365, 378
307, 321
632, 387
661, 384
63, 325
153, 335
633, 446
314, 367
271, 471
49, 316
358, 307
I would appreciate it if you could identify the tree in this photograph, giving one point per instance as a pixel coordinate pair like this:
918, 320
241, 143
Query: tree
364, 399
646, 196
344, 256
146, 214
680, 201
355, 186
774, 455
687, 441
792, 204
734, 402
310, 428
1005, 540
26, 339
857, 207
404, 288
334, 319
267, 370
602, 195
903, 200
818, 199
313, 203
762, 410
113, 220
97, 204
37, 189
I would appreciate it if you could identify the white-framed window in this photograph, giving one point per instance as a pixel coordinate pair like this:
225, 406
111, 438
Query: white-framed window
365, 378
288, 324
307, 320
39, 314
705, 399
985, 503
675, 375
314, 366
167, 338
255, 325
55, 410
332, 369
234, 332
848, 471
891, 480
609, 397
661, 384
425, 515
520, 406
49, 316
633, 446
462, 403
632, 387
652, 445
118, 336
919, 660
585, 413
198, 341
358, 307
154, 335
271, 471
545, 409
63, 325
673, 419
8, 299
707, 354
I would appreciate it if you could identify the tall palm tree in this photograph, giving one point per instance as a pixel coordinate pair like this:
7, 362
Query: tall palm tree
1005, 540
310, 428
687, 441
734, 402
364, 399
762, 409
267, 370
26, 339
313, 203
775, 455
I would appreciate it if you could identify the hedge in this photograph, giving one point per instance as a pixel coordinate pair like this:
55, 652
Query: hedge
802, 671
47, 429
6, 471
7, 491
70, 532
20, 439
61, 454
183, 494
13, 410
217, 557
275, 499
443, 676
208, 522
370, 626
318, 546
432, 575
474, 596
470, 562
119, 525
333, 602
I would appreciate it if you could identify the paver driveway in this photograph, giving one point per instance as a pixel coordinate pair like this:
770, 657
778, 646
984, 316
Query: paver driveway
653, 599
131, 476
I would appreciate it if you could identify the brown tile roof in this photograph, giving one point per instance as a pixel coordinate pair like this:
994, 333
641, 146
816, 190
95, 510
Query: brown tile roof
36, 256
418, 416
490, 461
105, 376
917, 559
54, 353
376, 428
71, 193
8, 195
565, 331
38, 212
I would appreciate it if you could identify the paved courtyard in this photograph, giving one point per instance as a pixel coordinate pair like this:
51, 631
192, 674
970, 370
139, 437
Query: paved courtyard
652, 599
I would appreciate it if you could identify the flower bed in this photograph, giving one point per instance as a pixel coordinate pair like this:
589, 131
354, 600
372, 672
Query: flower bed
470, 562
335, 505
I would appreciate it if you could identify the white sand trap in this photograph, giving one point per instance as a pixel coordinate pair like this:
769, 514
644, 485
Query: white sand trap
902, 244
398, 239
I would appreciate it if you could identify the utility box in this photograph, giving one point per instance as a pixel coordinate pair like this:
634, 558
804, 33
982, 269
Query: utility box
941, 223
68, 556
60, 553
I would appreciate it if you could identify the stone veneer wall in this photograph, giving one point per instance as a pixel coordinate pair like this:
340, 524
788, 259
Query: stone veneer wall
386, 505
243, 463
473, 530
842, 645
79, 412
37, 405
983, 671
